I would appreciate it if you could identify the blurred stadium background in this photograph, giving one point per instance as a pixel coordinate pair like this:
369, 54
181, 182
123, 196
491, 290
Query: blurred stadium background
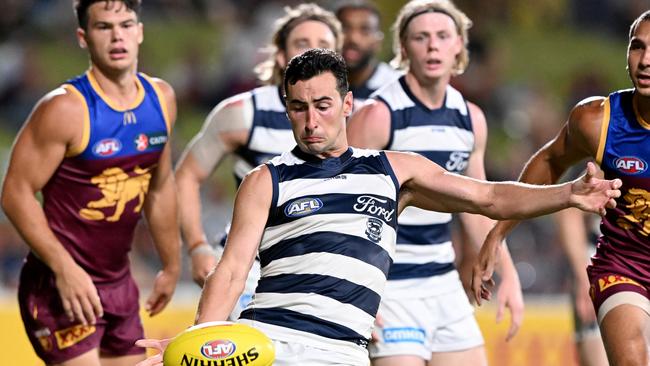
530, 62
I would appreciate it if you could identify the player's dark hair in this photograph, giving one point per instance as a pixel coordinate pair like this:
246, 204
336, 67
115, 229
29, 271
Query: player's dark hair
81, 8
315, 62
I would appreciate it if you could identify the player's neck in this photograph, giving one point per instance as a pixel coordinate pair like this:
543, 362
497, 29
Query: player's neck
358, 77
121, 88
643, 106
430, 92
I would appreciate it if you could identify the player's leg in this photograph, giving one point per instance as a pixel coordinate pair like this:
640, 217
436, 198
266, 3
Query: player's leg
626, 334
473, 356
622, 305
399, 360
123, 324
90, 358
457, 340
128, 360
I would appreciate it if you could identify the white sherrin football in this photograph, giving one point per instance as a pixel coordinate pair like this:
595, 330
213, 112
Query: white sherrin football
220, 344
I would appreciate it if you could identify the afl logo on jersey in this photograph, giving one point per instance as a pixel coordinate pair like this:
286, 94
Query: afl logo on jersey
107, 147
630, 165
303, 207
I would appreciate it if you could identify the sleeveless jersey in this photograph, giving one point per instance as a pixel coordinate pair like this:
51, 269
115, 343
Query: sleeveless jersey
624, 152
94, 199
444, 136
326, 249
382, 75
270, 133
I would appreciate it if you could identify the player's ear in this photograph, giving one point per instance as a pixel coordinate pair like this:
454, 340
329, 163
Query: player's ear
141, 35
348, 103
81, 38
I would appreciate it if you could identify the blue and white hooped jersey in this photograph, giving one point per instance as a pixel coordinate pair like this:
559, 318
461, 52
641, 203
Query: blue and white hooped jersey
444, 136
326, 249
270, 133
382, 75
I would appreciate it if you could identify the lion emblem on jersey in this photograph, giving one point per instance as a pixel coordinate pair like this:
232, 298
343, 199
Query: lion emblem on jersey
118, 188
638, 202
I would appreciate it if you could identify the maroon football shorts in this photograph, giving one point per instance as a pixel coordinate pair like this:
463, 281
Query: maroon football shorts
606, 284
56, 339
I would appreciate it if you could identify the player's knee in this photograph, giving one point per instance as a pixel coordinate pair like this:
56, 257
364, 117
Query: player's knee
632, 353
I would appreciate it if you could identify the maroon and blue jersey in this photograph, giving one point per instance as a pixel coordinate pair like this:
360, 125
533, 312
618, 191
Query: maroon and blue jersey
95, 198
624, 153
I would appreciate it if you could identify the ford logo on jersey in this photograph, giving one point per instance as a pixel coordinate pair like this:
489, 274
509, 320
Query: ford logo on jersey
630, 165
107, 147
303, 207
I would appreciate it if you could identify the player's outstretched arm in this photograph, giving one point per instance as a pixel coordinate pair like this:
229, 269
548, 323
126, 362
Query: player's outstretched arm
225, 284
433, 188
161, 212
225, 129
579, 138
54, 128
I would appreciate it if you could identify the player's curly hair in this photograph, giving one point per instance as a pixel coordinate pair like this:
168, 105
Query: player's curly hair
81, 8
418, 7
269, 72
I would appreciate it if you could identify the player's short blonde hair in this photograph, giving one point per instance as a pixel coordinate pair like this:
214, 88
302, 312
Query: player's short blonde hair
269, 72
418, 7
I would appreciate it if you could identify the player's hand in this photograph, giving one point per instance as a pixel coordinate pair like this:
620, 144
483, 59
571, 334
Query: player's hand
592, 194
509, 295
78, 294
159, 345
163, 289
202, 263
483, 270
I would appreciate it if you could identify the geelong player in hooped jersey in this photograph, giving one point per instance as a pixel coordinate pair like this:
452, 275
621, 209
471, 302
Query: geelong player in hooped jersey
426, 315
97, 148
613, 130
252, 126
323, 218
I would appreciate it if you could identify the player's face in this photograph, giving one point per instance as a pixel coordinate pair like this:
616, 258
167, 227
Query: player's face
113, 36
317, 113
431, 46
305, 36
362, 37
638, 58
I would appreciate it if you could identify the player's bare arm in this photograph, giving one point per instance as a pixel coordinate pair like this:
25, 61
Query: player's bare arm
53, 129
226, 283
161, 212
369, 127
225, 130
578, 139
435, 189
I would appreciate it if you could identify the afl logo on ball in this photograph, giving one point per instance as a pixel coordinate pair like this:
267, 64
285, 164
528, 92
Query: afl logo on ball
218, 349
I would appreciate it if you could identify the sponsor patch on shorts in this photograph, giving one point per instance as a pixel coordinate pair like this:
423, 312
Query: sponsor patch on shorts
402, 335
612, 280
68, 337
